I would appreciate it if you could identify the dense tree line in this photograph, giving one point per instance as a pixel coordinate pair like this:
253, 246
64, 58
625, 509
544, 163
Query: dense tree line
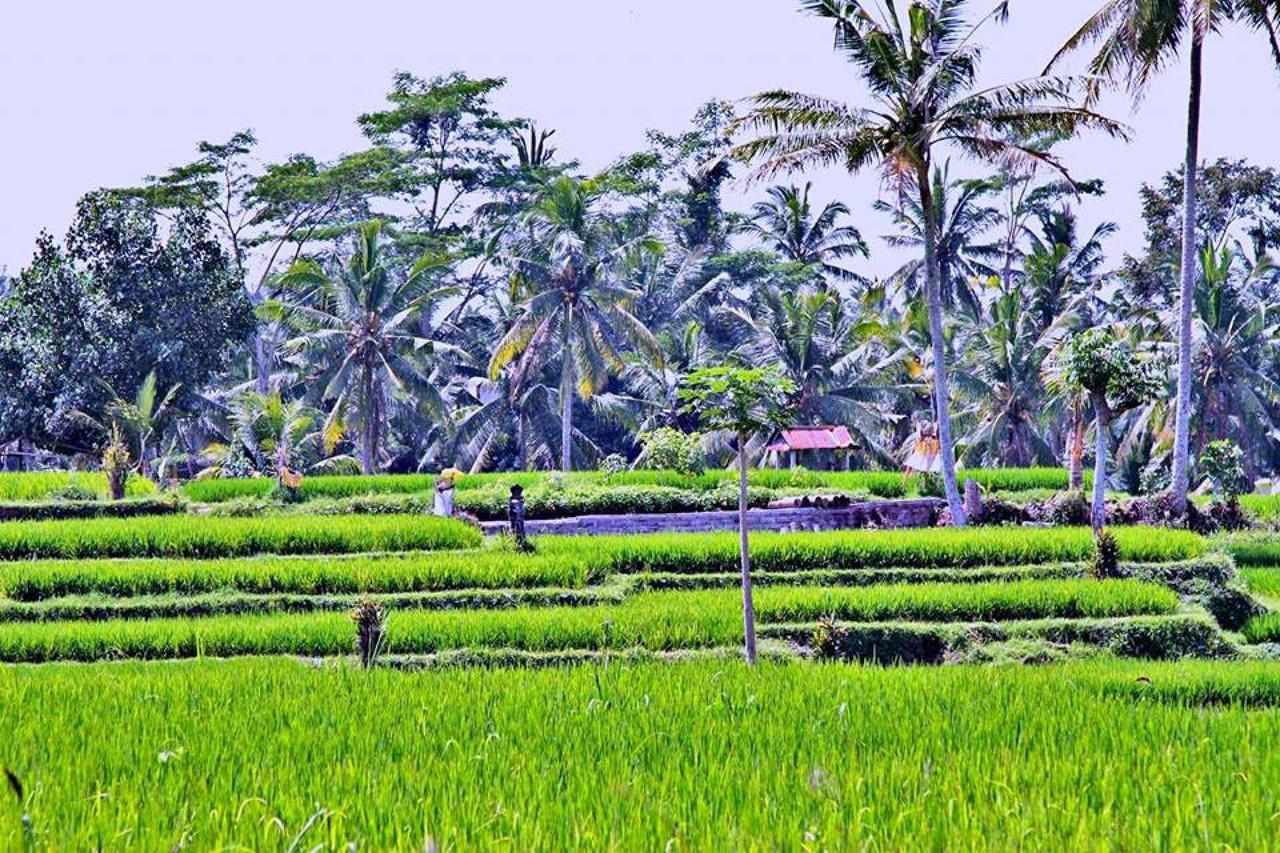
461, 292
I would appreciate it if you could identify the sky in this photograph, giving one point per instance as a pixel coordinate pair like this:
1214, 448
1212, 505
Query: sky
97, 94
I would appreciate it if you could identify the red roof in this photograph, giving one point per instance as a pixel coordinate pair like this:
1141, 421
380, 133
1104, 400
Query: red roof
812, 438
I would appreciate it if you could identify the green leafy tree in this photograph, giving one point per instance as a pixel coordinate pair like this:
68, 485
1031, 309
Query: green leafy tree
741, 402
922, 72
1136, 40
1117, 379
448, 141
359, 342
113, 302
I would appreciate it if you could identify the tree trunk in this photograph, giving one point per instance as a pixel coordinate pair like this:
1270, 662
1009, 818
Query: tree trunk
744, 556
1075, 477
261, 362
369, 431
566, 414
1102, 422
1182, 428
941, 390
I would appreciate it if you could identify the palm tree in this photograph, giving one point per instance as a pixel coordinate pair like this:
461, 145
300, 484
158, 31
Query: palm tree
922, 74
358, 342
1002, 373
786, 223
1137, 38
566, 259
1237, 343
139, 418
961, 217
834, 358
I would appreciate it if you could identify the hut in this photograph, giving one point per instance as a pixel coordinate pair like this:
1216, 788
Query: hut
819, 448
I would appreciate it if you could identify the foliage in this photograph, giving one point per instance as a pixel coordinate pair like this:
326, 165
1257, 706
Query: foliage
1223, 464
738, 400
84, 316
1106, 555
668, 449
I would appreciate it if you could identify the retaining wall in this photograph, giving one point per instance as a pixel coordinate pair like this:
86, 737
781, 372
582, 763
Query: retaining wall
920, 512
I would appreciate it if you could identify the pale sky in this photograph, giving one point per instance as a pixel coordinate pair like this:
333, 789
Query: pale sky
104, 93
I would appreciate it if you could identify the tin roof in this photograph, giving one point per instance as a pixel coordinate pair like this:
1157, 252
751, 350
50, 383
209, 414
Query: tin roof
812, 438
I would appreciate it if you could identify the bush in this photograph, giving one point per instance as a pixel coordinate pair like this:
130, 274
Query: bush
1223, 464
667, 449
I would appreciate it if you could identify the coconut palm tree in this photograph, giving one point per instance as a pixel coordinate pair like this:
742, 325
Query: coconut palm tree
840, 368
786, 223
139, 419
921, 69
565, 261
961, 217
1136, 40
358, 342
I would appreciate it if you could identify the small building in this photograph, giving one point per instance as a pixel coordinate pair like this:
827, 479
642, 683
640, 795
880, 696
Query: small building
816, 447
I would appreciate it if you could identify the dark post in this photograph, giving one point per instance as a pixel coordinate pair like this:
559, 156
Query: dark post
515, 517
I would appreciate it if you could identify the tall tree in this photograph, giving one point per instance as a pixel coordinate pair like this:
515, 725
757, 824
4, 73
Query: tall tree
450, 144
358, 342
116, 300
1137, 39
922, 71
787, 224
962, 216
565, 258
740, 402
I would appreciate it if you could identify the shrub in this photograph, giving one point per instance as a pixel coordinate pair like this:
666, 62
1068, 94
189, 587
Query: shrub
1106, 555
668, 449
1223, 464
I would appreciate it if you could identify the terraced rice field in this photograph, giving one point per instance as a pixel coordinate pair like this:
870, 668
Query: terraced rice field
587, 694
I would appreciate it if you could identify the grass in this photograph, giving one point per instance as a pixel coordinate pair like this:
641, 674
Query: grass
852, 549
563, 561
1251, 549
385, 573
888, 484
176, 536
45, 485
656, 621
267, 754
1263, 580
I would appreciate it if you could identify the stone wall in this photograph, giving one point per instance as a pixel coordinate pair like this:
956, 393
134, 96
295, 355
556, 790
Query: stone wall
920, 512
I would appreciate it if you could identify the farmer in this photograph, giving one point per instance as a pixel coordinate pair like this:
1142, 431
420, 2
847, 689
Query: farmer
926, 456
444, 491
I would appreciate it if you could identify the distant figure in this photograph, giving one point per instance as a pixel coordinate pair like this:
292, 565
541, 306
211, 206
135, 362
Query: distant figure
444, 492
926, 455
515, 517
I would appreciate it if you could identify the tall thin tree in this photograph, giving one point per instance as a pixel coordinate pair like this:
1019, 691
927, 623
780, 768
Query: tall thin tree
1136, 40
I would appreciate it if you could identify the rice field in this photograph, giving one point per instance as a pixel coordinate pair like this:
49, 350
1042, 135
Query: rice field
180, 536
588, 693
656, 621
888, 484
46, 485
271, 754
